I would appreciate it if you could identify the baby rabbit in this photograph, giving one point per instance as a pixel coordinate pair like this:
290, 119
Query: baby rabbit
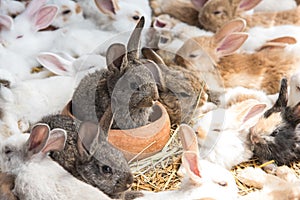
202, 180
215, 13
89, 157
276, 134
127, 86
37, 176
214, 57
7, 184
180, 90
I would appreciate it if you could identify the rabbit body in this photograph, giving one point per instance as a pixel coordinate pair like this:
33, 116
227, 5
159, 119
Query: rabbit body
91, 169
7, 183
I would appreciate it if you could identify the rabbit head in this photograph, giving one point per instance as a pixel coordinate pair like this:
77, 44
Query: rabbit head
21, 149
206, 175
69, 12
276, 134
179, 89
213, 14
100, 164
125, 14
35, 17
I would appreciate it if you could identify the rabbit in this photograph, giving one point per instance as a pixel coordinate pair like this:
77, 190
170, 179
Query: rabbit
221, 68
24, 31
285, 185
223, 134
215, 13
127, 86
102, 166
294, 91
203, 179
43, 96
11, 7
179, 89
37, 176
276, 134
7, 183
182, 10
117, 16
69, 12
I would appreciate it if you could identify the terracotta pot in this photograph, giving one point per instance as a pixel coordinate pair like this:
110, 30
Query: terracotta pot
148, 139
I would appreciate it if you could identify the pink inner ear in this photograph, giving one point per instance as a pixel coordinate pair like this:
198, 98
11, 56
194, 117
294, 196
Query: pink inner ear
231, 43
246, 5
191, 164
106, 6
199, 3
255, 110
45, 17
49, 60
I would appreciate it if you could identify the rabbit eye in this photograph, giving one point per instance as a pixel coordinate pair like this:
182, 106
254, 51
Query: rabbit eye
274, 133
135, 17
65, 12
106, 169
183, 94
217, 12
192, 56
19, 36
223, 183
7, 150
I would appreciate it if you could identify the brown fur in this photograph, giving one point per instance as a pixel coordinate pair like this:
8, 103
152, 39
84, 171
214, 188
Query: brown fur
7, 183
216, 13
180, 9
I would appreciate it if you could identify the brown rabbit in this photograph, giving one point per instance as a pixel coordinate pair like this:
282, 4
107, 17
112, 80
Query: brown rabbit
181, 91
180, 9
214, 13
7, 183
126, 85
215, 59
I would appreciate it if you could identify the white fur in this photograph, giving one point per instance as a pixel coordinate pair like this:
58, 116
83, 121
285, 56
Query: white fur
41, 178
28, 101
294, 91
275, 5
11, 7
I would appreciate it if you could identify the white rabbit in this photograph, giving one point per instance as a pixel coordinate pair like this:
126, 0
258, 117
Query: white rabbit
117, 16
223, 133
68, 12
274, 5
37, 176
11, 7
28, 101
202, 179
22, 32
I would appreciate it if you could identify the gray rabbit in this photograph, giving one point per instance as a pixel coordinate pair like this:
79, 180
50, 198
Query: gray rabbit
89, 157
127, 86
180, 90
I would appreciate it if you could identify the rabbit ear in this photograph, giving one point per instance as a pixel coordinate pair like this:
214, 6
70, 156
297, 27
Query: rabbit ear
115, 57
152, 55
254, 111
282, 99
199, 3
230, 44
236, 25
280, 43
56, 141
56, 64
134, 40
108, 7
87, 141
38, 139
190, 162
6, 22
188, 138
246, 5
45, 16
33, 7
105, 123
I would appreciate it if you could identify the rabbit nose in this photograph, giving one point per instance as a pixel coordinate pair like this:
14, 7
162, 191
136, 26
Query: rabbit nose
254, 139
